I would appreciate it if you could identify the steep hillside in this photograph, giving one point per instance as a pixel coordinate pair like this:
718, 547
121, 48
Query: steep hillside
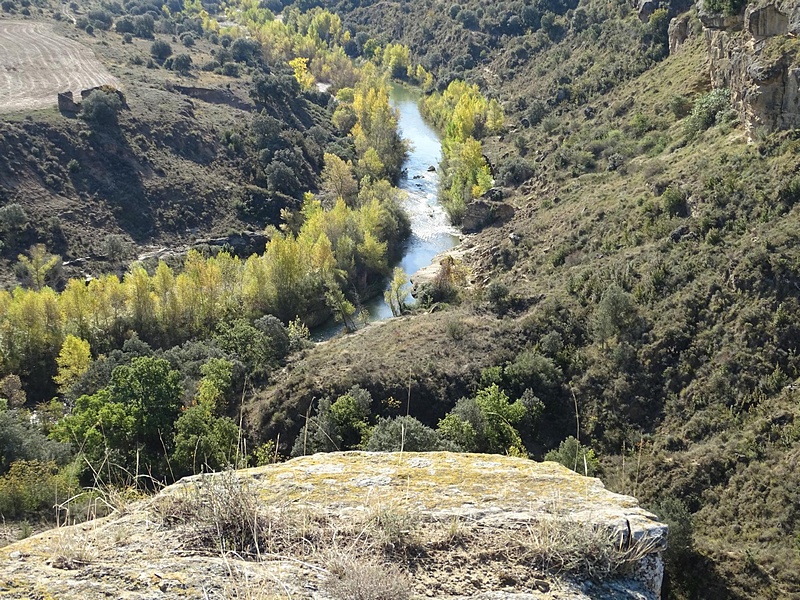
178, 163
648, 279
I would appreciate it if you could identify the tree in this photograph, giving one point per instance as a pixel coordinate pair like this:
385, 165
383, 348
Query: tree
615, 315
396, 59
73, 361
485, 423
203, 441
281, 178
143, 26
38, 265
304, 77
398, 292
338, 181
574, 455
161, 50
351, 414
126, 428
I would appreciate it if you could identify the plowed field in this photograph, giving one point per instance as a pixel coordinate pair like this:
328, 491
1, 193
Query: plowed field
36, 64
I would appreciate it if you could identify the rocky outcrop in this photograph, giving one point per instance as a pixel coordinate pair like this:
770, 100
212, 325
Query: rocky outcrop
486, 210
454, 526
213, 96
678, 33
756, 55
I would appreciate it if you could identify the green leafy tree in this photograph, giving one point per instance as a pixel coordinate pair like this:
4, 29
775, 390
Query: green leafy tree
485, 423
615, 316
351, 414
398, 292
204, 441
126, 428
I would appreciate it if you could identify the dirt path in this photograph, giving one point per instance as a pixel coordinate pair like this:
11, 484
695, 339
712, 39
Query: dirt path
36, 64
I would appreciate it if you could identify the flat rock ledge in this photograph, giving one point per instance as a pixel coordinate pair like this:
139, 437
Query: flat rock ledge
452, 526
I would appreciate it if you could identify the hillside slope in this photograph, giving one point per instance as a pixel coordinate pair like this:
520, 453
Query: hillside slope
648, 279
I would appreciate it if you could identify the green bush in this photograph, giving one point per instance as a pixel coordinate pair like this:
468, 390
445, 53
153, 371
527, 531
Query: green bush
101, 109
404, 433
706, 108
673, 201
31, 488
574, 455
160, 50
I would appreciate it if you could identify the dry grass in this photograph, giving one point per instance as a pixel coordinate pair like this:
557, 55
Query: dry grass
73, 549
365, 579
368, 553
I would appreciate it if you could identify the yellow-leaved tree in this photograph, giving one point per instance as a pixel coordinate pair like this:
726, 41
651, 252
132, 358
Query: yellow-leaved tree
73, 360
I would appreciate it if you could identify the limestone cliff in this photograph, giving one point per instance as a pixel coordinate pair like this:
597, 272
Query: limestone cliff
397, 525
756, 55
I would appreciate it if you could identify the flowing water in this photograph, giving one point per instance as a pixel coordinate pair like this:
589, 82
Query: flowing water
431, 232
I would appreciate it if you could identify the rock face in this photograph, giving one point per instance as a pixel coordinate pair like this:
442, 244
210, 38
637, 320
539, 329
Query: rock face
454, 525
486, 210
678, 33
756, 56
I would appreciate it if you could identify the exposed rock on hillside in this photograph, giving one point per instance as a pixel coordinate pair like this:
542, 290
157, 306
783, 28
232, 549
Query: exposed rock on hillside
455, 526
756, 56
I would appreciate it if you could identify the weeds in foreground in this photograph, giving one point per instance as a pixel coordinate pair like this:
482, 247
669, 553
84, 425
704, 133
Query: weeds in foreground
364, 554
350, 579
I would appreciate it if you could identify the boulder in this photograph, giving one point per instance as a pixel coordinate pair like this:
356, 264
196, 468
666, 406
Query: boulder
459, 525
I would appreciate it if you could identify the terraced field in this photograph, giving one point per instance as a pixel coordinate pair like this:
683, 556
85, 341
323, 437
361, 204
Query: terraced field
36, 64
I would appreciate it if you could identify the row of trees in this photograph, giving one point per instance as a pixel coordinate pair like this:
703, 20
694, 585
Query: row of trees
464, 116
331, 251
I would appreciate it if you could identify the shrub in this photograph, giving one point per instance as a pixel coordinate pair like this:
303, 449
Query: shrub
574, 455
403, 433
160, 50
143, 26
230, 69
705, 110
182, 63
31, 487
125, 25
222, 513
356, 579
680, 106
101, 108
789, 193
13, 216
673, 201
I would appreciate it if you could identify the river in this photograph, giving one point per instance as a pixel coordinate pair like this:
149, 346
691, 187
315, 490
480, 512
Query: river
431, 232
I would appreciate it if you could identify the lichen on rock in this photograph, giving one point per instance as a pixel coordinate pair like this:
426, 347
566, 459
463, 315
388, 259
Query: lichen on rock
437, 524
